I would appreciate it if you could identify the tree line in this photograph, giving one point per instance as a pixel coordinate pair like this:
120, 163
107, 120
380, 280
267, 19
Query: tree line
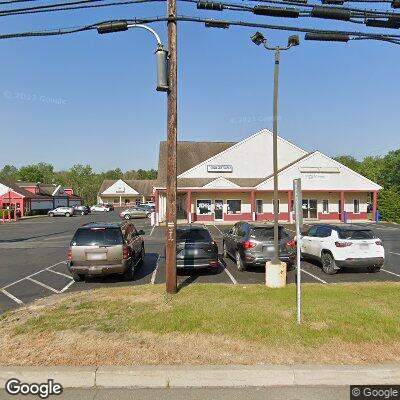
385, 171
85, 182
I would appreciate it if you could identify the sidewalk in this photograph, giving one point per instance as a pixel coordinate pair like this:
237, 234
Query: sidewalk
207, 376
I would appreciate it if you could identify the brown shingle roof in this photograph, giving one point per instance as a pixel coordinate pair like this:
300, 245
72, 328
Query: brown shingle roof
142, 186
189, 154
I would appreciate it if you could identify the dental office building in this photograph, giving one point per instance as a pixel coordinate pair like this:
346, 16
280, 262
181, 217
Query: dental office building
228, 181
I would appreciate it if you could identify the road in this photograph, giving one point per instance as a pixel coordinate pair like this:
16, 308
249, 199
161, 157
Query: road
33, 252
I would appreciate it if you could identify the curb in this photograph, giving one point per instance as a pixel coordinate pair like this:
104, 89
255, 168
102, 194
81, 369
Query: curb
206, 376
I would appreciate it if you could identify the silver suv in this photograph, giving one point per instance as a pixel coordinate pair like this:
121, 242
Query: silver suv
105, 248
136, 212
61, 211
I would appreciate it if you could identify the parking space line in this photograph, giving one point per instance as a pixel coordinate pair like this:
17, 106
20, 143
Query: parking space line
389, 272
392, 252
234, 281
153, 275
12, 297
315, 277
152, 229
66, 287
43, 284
59, 273
29, 276
219, 230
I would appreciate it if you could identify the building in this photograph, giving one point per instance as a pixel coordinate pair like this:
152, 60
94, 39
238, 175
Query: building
125, 192
29, 196
226, 181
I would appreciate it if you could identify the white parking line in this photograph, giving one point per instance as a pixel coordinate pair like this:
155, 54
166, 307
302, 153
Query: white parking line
43, 284
219, 230
315, 277
154, 274
392, 252
12, 297
59, 273
66, 287
152, 230
234, 281
389, 272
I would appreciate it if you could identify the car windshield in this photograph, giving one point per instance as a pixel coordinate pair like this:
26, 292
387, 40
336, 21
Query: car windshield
97, 237
356, 234
193, 235
267, 233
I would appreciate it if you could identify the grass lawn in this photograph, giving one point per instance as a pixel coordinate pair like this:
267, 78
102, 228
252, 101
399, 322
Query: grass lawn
343, 323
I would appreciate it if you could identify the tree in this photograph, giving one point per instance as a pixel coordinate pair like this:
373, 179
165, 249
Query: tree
113, 174
390, 173
40, 172
389, 205
371, 167
349, 161
9, 173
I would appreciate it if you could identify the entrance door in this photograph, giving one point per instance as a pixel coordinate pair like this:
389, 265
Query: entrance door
310, 209
218, 210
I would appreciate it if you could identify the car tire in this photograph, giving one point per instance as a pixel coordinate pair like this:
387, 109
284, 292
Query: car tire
374, 268
82, 213
328, 264
51, 214
290, 266
127, 216
78, 277
67, 214
129, 273
239, 262
224, 252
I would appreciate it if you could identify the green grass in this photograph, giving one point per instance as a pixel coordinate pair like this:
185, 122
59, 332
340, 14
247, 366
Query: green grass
352, 313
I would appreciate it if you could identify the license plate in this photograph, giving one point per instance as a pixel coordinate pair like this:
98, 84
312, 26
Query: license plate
268, 249
96, 256
95, 270
364, 246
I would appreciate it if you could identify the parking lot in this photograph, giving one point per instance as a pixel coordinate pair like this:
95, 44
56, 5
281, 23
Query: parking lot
33, 252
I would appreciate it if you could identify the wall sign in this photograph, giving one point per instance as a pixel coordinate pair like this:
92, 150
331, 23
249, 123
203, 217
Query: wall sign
220, 168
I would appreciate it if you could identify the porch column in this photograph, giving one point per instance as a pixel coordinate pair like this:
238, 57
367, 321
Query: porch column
374, 205
342, 206
189, 206
120, 201
157, 205
289, 206
253, 206
143, 199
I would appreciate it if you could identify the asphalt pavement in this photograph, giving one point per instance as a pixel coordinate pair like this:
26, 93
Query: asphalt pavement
33, 254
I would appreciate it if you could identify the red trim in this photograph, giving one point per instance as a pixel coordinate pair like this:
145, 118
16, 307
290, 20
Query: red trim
202, 217
329, 216
361, 215
238, 217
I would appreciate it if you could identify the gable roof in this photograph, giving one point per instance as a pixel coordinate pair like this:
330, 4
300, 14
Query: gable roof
23, 192
142, 186
189, 154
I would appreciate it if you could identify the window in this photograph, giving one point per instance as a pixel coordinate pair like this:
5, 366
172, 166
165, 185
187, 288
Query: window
116, 201
267, 233
355, 234
259, 206
356, 206
325, 206
312, 231
127, 201
193, 235
97, 237
323, 231
234, 206
204, 207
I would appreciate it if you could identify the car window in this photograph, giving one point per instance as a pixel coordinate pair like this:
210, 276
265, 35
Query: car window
267, 233
323, 231
241, 231
356, 234
97, 237
312, 231
193, 235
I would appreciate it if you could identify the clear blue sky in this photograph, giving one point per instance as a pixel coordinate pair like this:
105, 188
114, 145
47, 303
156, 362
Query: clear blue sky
87, 98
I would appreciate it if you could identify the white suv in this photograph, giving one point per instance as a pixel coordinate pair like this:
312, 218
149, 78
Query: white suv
343, 246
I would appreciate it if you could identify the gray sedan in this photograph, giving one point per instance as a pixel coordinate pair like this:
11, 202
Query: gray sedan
135, 212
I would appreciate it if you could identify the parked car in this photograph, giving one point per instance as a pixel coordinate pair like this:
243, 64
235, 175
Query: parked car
136, 212
61, 211
105, 248
110, 206
195, 248
83, 210
338, 247
252, 244
150, 207
99, 207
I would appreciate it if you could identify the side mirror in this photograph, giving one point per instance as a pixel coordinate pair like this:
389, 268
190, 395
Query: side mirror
141, 232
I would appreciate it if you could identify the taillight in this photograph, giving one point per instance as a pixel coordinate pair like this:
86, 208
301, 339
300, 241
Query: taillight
343, 244
291, 243
125, 252
378, 243
69, 254
249, 245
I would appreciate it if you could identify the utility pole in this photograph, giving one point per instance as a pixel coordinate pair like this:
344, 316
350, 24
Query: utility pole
170, 252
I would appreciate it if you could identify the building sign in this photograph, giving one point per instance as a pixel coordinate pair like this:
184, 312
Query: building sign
219, 168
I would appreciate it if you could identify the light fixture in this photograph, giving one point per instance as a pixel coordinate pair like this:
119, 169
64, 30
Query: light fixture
258, 38
293, 41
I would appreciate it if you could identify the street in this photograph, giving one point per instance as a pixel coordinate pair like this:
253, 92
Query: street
33, 253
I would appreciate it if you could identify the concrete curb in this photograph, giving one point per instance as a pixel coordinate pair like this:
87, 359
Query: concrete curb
203, 376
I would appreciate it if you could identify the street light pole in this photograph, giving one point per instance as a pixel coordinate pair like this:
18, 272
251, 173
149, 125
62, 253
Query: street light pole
170, 248
258, 39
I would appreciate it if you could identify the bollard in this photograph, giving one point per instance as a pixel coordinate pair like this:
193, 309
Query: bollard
378, 216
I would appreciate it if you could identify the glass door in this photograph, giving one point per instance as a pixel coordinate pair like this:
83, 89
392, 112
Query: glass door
218, 210
310, 209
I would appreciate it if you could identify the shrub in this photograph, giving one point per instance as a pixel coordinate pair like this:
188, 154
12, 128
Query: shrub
389, 205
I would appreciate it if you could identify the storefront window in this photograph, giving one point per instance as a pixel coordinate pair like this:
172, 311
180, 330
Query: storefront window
259, 206
116, 201
203, 207
234, 206
325, 206
356, 206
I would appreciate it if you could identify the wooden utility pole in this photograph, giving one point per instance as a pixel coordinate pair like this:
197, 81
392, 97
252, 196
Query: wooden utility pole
170, 253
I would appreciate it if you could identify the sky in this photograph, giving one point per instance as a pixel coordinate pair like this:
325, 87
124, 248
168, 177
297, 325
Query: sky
91, 99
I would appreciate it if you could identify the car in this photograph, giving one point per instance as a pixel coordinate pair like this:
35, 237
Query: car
83, 210
195, 248
61, 211
99, 207
252, 244
110, 206
135, 212
105, 248
340, 246
150, 207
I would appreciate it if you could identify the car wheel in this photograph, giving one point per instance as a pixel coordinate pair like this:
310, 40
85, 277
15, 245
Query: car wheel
127, 216
67, 214
224, 252
82, 213
374, 269
129, 273
328, 264
78, 277
239, 262
51, 214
